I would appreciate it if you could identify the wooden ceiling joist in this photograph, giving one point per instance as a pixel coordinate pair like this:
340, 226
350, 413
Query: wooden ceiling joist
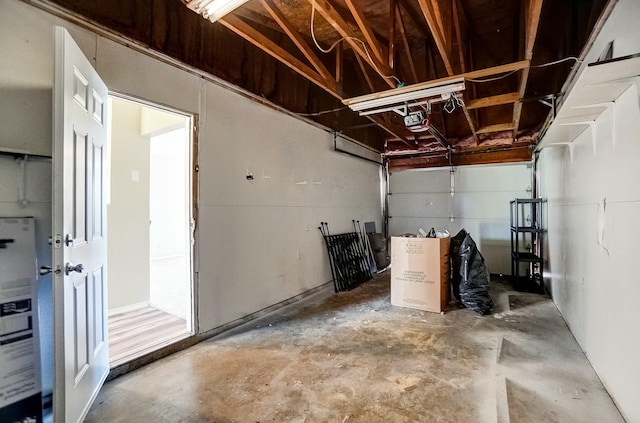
472, 126
256, 38
297, 39
253, 36
495, 128
365, 75
486, 156
407, 48
532, 9
379, 119
440, 29
338, 22
375, 48
393, 11
460, 25
494, 100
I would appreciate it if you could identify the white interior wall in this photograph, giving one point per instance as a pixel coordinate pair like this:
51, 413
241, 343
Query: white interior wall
169, 192
258, 241
592, 249
421, 199
128, 211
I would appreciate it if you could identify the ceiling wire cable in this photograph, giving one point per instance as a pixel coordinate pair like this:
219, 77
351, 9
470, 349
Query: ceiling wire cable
494, 78
557, 61
364, 45
322, 112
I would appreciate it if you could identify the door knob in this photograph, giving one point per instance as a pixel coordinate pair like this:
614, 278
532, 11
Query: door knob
45, 270
69, 267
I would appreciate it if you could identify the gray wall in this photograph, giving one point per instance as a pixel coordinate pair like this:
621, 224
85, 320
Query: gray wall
421, 199
257, 241
592, 249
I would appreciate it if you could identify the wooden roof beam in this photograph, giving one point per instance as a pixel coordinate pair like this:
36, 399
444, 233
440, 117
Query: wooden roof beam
494, 100
441, 34
495, 128
365, 74
381, 120
333, 17
438, 159
407, 48
253, 36
244, 30
467, 116
460, 25
393, 11
375, 48
532, 9
297, 39
390, 129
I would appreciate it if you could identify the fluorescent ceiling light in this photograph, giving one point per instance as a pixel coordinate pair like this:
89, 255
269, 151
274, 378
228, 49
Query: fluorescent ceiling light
399, 96
214, 9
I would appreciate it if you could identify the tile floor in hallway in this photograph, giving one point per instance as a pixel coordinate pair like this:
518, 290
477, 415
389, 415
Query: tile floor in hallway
353, 357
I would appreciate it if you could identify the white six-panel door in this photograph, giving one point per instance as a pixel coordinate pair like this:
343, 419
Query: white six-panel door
79, 226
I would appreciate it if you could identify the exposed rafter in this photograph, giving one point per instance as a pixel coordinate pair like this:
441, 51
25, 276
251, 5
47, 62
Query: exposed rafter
253, 36
494, 100
499, 127
472, 126
514, 153
460, 25
338, 22
407, 47
297, 39
375, 48
379, 118
393, 11
440, 29
244, 30
532, 9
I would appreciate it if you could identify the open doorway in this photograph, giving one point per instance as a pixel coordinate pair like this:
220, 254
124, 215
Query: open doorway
150, 295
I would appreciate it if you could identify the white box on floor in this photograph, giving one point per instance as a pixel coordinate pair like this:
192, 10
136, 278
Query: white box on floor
20, 384
420, 273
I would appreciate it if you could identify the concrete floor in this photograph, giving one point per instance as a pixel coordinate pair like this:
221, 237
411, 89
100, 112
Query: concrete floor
352, 357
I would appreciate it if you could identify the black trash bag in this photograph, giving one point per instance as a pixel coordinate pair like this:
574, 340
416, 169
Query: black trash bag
454, 254
474, 283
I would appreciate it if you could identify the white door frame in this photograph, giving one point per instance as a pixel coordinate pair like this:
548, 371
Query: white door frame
193, 187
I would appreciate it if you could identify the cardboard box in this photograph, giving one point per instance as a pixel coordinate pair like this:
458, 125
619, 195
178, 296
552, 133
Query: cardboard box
420, 273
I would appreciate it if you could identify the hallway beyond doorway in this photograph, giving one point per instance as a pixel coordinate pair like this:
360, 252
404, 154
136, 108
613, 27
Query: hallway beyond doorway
149, 227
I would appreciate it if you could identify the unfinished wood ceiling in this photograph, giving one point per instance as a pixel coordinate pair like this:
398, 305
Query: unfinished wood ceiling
267, 47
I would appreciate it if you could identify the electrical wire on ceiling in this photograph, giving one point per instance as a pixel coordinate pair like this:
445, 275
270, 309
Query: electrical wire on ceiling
566, 59
364, 45
322, 112
453, 101
555, 62
492, 79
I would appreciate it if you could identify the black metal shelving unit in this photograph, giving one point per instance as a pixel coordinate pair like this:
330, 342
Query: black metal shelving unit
526, 243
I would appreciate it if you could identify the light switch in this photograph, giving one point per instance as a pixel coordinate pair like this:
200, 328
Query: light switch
135, 176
